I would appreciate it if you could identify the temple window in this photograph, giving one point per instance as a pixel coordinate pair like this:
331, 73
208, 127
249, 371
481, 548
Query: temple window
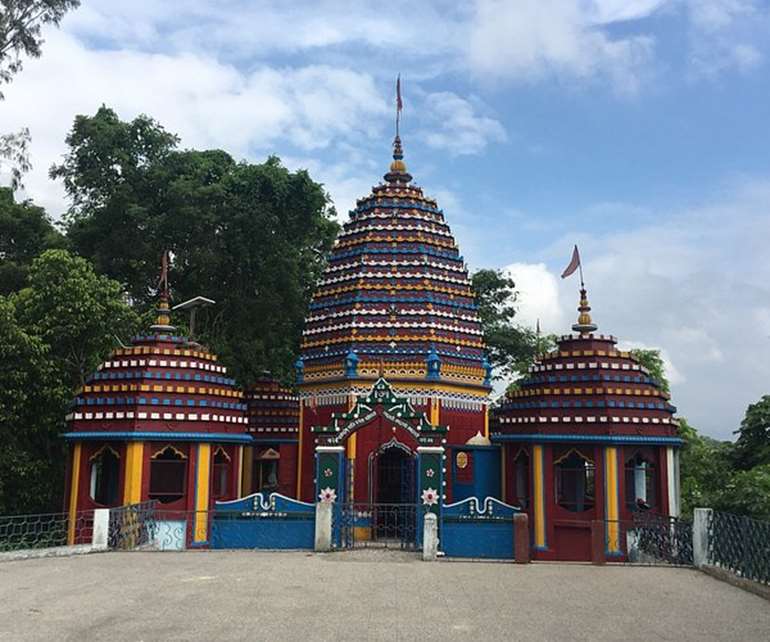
168, 475
521, 479
641, 489
575, 482
105, 472
221, 474
266, 470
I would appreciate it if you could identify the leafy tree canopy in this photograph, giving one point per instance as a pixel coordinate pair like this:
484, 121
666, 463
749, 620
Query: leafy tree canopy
25, 232
753, 445
251, 236
78, 314
52, 334
652, 360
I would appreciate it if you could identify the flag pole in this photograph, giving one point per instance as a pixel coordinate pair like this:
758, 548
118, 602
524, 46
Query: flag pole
398, 105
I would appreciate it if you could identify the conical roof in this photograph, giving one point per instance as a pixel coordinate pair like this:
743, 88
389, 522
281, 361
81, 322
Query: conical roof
587, 387
395, 295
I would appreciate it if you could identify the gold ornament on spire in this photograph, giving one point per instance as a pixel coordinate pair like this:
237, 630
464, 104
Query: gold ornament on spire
584, 323
163, 320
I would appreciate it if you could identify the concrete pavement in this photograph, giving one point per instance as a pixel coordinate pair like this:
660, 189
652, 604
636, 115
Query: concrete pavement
363, 595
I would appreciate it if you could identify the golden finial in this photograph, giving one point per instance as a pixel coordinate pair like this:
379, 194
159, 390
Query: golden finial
584, 323
163, 320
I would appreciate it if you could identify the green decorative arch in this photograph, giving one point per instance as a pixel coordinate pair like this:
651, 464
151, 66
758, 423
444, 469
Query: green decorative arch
381, 400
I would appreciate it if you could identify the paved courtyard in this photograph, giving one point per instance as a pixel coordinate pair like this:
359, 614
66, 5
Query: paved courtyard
363, 595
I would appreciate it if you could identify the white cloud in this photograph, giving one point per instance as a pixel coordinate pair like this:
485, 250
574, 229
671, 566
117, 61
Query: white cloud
727, 35
538, 297
530, 39
694, 284
456, 127
209, 104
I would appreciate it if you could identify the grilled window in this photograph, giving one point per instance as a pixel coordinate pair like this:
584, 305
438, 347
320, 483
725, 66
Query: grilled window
575, 482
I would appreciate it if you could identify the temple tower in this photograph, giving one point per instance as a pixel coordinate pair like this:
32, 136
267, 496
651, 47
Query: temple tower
395, 302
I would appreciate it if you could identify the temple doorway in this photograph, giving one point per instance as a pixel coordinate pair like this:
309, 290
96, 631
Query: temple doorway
394, 494
395, 477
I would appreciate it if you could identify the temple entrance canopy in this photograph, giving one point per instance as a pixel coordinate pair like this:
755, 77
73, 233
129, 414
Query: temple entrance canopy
380, 403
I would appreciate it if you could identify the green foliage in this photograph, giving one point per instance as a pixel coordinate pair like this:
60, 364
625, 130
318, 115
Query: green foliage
52, 334
75, 312
652, 360
25, 232
753, 445
29, 399
512, 348
250, 236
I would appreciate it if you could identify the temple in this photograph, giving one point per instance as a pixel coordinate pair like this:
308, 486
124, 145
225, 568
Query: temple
587, 437
391, 407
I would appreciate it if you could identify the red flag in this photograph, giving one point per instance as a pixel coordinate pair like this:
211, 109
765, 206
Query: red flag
399, 102
574, 264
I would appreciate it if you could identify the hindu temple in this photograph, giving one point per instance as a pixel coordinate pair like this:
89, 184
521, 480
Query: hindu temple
391, 405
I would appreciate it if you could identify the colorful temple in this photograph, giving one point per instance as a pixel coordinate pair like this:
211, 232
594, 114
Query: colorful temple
391, 405
588, 436
395, 302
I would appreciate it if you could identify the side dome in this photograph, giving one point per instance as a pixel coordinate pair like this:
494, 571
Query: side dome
161, 382
395, 298
587, 386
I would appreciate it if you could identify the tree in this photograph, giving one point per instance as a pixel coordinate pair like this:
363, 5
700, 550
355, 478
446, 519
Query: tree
251, 236
512, 348
20, 35
53, 333
29, 400
704, 466
652, 360
753, 445
78, 314
25, 232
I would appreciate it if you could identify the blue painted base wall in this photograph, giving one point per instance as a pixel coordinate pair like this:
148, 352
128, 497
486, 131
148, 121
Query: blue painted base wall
486, 473
257, 521
471, 528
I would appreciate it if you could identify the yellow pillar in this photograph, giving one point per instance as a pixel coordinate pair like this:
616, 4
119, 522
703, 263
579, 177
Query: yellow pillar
351, 455
435, 410
486, 420
132, 484
611, 502
74, 489
239, 459
299, 447
202, 481
247, 471
539, 495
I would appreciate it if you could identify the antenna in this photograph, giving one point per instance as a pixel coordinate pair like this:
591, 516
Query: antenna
192, 305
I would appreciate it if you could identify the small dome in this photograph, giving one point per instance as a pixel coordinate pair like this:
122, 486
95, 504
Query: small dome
478, 440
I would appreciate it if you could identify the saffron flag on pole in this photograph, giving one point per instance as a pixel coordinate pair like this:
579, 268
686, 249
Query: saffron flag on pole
399, 102
574, 264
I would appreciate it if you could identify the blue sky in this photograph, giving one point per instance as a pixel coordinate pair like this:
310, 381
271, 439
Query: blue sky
636, 128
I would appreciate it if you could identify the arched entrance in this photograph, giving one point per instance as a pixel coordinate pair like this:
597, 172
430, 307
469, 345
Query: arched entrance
393, 508
394, 483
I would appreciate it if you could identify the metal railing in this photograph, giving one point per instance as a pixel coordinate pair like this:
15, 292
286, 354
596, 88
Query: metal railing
45, 530
132, 526
662, 539
365, 525
741, 545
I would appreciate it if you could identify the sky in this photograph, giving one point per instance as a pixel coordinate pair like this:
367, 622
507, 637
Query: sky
637, 129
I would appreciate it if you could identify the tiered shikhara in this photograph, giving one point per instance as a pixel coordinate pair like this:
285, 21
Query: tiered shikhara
395, 301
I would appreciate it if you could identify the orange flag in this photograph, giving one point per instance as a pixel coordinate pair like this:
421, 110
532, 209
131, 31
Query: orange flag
574, 264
